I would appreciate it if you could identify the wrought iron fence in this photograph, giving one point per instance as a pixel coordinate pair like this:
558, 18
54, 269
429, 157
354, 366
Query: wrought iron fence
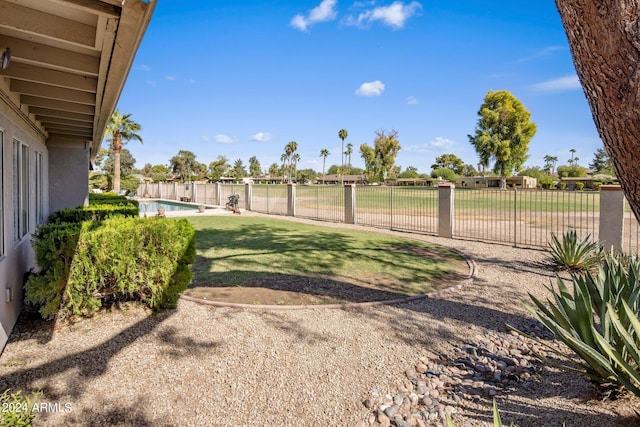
398, 208
322, 202
518, 217
270, 199
524, 217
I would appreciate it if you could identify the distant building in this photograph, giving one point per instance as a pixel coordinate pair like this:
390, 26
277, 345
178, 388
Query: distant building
334, 179
524, 182
412, 182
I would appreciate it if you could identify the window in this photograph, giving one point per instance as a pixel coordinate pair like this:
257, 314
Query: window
20, 190
39, 188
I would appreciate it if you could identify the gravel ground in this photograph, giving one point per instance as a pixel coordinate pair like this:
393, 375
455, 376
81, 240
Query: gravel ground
200, 365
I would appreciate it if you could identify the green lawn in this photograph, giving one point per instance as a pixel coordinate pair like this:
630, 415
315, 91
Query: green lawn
240, 251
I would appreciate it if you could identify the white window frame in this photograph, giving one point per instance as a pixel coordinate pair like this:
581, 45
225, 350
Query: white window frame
39, 187
21, 194
2, 168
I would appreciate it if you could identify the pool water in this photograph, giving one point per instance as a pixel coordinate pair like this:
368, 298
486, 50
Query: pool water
151, 206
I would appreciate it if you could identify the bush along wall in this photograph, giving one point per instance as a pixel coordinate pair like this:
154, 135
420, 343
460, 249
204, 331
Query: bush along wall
85, 264
101, 206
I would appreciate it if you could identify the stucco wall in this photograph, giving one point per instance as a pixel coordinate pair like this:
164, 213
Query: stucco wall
69, 175
17, 257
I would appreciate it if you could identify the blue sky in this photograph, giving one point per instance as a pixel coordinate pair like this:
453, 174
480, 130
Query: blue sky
243, 78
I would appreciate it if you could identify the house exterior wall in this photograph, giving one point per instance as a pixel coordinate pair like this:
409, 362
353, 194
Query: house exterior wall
19, 215
68, 172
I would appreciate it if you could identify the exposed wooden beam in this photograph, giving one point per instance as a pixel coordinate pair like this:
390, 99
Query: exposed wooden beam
98, 7
63, 136
74, 132
51, 112
53, 92
32, 73
36, 101
50, 57
36, 22
48, 121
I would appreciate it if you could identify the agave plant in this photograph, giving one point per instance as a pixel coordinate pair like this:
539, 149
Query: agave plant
598, 320
573, 253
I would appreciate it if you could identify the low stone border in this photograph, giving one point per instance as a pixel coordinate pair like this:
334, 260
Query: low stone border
472, 275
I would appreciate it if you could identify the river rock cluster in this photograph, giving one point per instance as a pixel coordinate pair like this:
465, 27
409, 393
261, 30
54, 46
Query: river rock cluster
494, 364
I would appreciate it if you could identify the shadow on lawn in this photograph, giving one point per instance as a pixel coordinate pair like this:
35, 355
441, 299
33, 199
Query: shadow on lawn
256, 252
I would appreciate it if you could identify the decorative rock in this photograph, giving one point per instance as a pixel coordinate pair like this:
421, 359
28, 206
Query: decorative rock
391, 411
400, 422
398, 398
384, 421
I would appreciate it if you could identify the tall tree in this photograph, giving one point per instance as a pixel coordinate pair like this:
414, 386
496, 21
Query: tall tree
287, 157
254, 166
348, 152
550, 163
120, 130
184, 165
342, 134
238, 169
294, 161
572, 160
601, 162
127, 162
218, 168
450, 161
604, 37
324, 153
503, 133
380, 159
274, 170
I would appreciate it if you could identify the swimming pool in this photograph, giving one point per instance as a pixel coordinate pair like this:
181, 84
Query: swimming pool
151, 206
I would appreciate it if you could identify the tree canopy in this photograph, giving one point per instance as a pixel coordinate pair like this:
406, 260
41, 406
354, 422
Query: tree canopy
120, 130
185, 165
380, 159
503, 133
450, 161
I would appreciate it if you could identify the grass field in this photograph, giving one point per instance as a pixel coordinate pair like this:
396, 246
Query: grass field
331, 265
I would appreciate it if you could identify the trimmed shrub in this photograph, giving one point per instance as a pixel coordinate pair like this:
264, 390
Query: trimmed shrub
101, 207
562, 185
579, 185
86, 264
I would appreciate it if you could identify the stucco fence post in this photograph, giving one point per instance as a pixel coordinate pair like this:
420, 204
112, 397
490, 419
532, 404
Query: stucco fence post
445, 210
611, 227
291, 200
350, 204
248, 196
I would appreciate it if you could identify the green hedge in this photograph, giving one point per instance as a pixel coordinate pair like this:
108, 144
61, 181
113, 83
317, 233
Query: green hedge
84, 264
101, 207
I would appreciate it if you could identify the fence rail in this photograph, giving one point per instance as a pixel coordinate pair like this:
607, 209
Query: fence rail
518, 217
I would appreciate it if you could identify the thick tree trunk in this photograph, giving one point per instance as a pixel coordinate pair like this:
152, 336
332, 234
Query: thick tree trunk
604, 36
117, 148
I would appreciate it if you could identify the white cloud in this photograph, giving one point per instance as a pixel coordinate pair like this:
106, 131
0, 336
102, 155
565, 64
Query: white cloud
151, 83
205, 138
411, 100
261, 137
371, 89
169, 78
394, 15
542, 53
441, 142
438, 145
559, 84
224, 139
325, 11
144, 67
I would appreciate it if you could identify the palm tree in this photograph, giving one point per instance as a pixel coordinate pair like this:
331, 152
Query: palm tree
342, 134
550, 162
348, 153
289, 151
572, 151
294, 160
324, 153
121, 129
